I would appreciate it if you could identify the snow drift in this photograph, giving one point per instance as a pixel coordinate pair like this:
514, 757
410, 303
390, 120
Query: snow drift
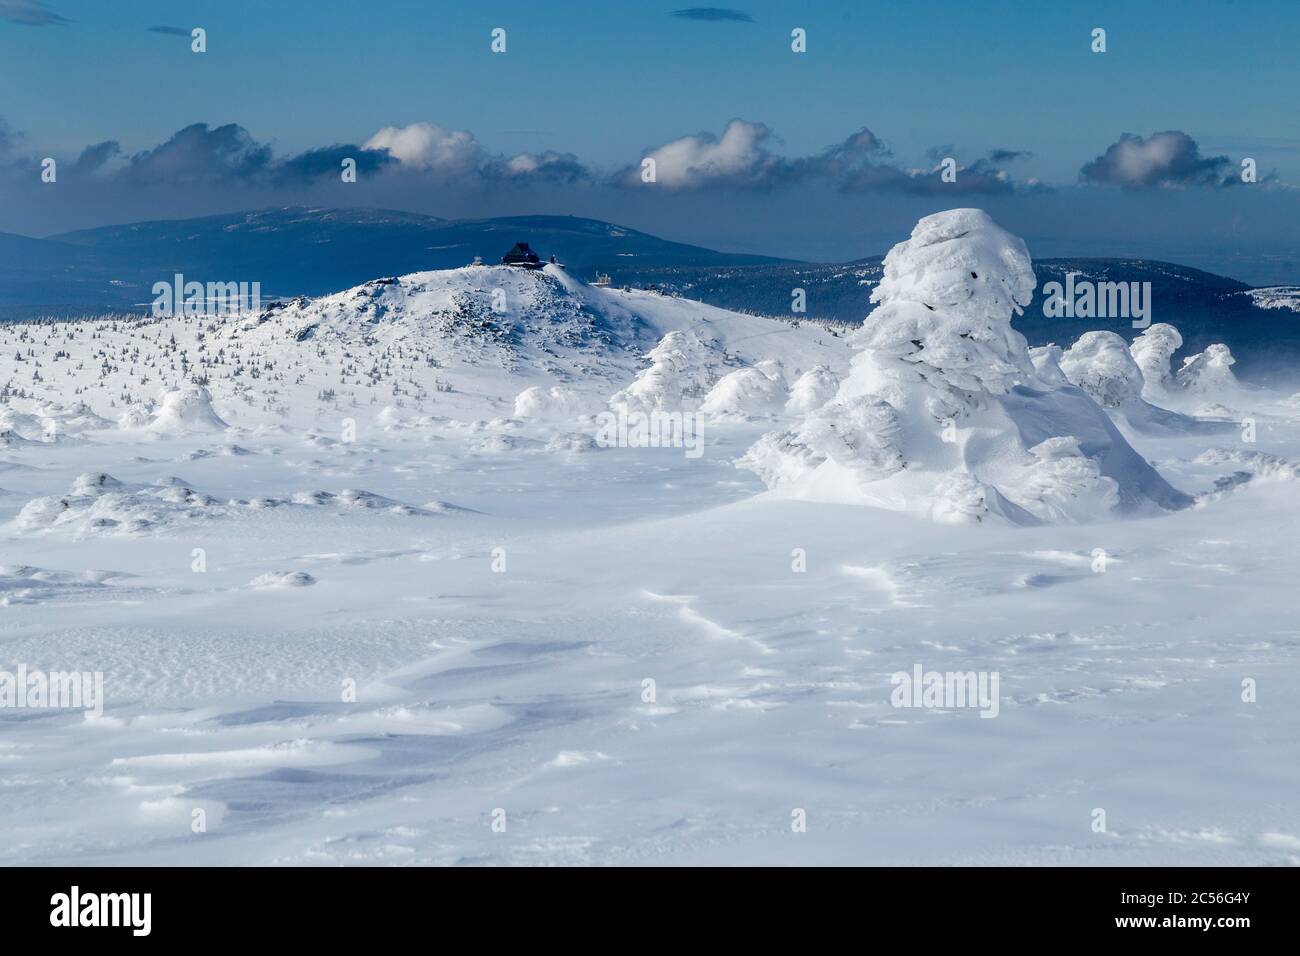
99, 504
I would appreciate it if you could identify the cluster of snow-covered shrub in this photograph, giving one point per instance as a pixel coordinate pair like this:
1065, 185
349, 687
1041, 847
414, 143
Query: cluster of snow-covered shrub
948, 413
687, 373
682, 368
1115, 372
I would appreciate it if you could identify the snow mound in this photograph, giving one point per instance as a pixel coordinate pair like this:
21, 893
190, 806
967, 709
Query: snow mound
185, 410
24, 584
744, 393
773, 369
95, 483
282, 579
136, 415
12, 439
497, 313
390, 418
571, 443
350, 498
223, 451
21, 425
99, 504
556, 402
946, 414
52, 421
1254, 465
813, 389
497, 445
1064, 484
74, 419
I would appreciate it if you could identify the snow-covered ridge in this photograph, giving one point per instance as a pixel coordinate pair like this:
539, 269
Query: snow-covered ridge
458, 343
1276, 297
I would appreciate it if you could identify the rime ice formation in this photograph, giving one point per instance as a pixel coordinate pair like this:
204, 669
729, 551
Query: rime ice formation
945, 412
1153, 351
1209, 371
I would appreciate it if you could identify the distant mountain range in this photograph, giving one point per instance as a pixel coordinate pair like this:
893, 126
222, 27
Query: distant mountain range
297, 251
300, 251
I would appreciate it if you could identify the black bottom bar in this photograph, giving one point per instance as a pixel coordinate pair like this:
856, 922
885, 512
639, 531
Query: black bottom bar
302, 906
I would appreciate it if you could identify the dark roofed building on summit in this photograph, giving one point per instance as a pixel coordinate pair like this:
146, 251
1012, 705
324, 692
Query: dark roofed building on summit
522, 256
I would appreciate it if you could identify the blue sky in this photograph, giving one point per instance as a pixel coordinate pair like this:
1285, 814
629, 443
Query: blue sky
608, 83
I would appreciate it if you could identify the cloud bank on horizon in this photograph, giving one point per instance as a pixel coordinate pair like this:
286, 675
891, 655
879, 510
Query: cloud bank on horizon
742, 156
733, 189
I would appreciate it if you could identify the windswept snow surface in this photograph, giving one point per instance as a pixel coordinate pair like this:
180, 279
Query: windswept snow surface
376, 585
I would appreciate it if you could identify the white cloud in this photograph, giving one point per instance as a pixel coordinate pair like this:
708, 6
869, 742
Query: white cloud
739, 154
1171, 158
429, 148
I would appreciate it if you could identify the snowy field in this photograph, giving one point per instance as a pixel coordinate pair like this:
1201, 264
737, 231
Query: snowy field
358, 600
